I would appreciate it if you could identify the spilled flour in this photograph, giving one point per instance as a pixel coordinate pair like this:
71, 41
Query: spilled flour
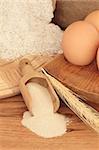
25, 28
45, 122
47, 126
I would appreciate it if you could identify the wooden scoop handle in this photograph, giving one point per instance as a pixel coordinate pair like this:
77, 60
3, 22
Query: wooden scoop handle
25, 67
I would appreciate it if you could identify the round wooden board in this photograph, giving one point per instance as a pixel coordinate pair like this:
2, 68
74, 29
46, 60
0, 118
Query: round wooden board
10, 74
84, 80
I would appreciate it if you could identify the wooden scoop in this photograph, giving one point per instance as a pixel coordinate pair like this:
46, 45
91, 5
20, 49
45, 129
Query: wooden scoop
30, 75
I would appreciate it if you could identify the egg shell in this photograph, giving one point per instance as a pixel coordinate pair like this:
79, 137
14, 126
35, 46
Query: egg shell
93, 18
80, 43
97, 58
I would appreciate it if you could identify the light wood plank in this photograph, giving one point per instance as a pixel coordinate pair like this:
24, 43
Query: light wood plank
13, 136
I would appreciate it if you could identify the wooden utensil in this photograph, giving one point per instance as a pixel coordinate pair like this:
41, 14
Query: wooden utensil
10, 73
30, 75
86, 113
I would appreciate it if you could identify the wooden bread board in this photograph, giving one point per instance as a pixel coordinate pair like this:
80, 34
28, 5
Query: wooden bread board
83, 80
10, 74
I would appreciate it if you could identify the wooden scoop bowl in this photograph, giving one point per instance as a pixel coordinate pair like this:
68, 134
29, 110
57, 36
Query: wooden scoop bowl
30, 75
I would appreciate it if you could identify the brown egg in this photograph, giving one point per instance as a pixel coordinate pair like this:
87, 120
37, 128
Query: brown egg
93, 18
80, 43
97, 58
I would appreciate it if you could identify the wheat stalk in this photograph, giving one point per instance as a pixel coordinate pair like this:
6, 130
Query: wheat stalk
85, 112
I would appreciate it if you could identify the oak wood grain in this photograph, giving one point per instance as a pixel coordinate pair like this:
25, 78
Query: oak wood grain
13, 136
83, 80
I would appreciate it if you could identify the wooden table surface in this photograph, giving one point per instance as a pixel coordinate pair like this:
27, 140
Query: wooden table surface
13, 136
